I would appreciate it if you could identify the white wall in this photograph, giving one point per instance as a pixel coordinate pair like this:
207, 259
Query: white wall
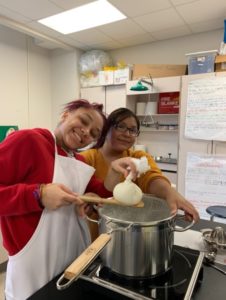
65, 81
39, 88
170, 51
25, 90
25, 94
35, 82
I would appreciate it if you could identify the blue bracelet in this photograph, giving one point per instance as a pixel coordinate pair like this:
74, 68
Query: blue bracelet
37, 195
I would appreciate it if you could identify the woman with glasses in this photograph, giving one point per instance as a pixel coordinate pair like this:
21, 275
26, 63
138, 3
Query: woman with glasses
41, 214
118, 137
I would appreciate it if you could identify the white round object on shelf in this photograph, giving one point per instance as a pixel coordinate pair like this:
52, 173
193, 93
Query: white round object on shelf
151, 108
140, 108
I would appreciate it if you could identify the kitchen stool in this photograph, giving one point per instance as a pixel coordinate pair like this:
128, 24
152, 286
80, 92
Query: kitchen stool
216, 211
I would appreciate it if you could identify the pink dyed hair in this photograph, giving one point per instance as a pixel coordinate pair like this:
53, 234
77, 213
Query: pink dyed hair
79, 103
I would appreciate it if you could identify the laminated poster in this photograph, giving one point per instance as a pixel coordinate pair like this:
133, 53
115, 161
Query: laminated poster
206, 109
205, 182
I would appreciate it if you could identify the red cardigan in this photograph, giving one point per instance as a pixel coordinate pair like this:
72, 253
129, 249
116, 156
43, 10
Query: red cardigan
26, 160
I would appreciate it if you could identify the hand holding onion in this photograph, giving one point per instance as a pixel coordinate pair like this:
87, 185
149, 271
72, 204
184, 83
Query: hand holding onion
127, 192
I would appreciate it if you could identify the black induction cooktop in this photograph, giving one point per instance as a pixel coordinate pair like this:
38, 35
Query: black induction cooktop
180, 282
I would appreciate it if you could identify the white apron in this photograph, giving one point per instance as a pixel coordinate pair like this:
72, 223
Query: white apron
59, 238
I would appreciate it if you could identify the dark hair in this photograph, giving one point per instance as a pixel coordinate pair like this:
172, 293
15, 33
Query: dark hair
114, 118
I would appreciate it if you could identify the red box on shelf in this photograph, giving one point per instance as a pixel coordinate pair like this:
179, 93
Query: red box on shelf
168, 103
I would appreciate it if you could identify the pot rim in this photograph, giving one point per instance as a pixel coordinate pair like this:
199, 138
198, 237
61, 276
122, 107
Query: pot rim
143, 224
146, 197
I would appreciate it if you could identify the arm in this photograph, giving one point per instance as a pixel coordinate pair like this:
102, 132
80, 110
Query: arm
21, 172
26, 161
17, 167
119, 168
153, 182
163, 189
122, 166
55, 195
95, 184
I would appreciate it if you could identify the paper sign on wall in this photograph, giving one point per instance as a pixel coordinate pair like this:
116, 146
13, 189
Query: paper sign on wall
205, 182
206, 109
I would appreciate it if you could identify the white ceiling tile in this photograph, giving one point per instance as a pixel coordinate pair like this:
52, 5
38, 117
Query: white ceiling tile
43, 29
148, 20
107, 45
179, 2
206, 25
160, 20
33, 9
13, 15
138, 39
89, 36
69, 4
122, 29
202, 10
70, 41
133, 8
171, 33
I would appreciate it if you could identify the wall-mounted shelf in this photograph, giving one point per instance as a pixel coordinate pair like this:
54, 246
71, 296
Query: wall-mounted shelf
147, 129
159, 115
159, 122
156, 130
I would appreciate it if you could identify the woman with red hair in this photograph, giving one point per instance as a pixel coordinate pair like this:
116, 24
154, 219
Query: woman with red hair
41, 178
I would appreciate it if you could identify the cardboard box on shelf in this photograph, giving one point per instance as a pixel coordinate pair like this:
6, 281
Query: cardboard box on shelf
168, 103
121, 76
106, 77
220, 63
157, 71
89, 80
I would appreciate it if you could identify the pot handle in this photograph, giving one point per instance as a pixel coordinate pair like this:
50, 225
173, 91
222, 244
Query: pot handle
92, 220
181, 229
80, 264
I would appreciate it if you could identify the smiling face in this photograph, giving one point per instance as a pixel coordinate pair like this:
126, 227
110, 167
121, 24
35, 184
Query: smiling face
119, 141
79, 128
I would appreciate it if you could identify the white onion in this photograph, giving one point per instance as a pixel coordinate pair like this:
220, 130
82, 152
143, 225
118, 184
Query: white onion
127, 192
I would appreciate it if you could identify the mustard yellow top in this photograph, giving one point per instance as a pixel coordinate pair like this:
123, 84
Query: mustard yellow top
94, 158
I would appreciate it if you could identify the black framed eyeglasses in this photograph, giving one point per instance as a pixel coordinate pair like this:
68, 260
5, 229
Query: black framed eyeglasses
133, 131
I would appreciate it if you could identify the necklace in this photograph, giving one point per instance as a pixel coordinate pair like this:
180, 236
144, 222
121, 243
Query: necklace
69, 153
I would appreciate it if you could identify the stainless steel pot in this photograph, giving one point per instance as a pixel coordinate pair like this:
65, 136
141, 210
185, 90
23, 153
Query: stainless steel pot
133, 242
145, 248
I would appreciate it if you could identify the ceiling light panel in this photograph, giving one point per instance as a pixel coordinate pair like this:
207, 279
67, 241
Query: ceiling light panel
83, 17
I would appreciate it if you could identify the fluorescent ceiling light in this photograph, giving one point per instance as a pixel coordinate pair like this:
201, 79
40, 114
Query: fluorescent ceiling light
83, 17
